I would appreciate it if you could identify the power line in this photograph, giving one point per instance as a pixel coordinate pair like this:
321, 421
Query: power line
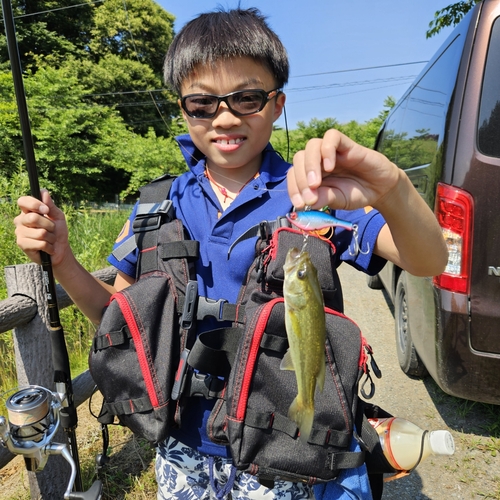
347, 93
352, 84
360, 69
58, 8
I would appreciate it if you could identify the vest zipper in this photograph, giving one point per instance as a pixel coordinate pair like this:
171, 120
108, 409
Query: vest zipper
139, 347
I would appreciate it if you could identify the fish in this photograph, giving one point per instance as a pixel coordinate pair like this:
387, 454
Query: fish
315, 220
305, 325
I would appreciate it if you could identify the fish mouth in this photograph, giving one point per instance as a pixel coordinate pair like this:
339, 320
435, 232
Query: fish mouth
294, 253
292, 259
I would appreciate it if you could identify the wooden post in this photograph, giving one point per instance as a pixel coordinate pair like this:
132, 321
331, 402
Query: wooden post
34, 367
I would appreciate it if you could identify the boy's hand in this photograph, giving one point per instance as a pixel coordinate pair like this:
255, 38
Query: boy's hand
41, 226
338, 172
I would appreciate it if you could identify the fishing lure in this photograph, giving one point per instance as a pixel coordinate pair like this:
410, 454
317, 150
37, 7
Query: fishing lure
314, 221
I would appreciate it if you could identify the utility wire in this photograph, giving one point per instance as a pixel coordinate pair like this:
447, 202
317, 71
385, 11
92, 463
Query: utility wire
352, 84
360, 69
58, 8
347, 93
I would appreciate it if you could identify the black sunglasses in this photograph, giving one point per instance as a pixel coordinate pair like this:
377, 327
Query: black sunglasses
241, 102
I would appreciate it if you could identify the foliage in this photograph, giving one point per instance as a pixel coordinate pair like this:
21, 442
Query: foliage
146, 158
135, 29
449, 16
132, 88
127, 47
56, 30
95, 152
92, 77
365, 134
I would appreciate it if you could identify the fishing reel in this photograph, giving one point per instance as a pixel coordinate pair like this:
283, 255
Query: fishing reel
33, 418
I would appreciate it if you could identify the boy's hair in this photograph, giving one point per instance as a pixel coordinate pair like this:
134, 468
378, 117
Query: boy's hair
219, 35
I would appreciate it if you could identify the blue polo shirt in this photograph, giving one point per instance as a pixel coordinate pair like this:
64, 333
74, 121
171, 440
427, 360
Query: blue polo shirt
264, 198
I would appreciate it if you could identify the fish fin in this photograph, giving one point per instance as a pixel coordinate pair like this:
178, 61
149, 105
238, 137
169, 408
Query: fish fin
303, 416
320, 379
287, 362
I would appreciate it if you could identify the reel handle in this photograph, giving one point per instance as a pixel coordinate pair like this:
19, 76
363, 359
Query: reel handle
93, 493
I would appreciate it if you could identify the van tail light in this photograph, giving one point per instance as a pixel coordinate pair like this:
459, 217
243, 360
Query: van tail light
454, 210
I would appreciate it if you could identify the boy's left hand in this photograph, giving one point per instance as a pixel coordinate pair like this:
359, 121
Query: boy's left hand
338, 172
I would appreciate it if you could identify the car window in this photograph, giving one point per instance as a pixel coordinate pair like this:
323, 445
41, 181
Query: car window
427, 106
489, 111
389, 137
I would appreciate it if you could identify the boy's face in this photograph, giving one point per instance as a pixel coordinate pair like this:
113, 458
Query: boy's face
227, 140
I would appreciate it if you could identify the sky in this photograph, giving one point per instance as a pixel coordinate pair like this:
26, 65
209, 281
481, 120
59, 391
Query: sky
332, 43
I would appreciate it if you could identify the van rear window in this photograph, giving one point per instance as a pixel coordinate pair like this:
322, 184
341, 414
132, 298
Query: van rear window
415, 129
489, 111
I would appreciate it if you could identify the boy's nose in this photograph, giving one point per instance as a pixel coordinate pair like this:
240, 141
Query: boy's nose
224, 117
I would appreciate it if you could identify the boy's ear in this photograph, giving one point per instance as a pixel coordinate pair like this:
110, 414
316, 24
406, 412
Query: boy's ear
280, 104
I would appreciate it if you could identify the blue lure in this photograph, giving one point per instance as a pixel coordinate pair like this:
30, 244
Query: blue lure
313, 220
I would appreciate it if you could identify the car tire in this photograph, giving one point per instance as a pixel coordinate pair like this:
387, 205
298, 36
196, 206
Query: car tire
408, 358
374, 282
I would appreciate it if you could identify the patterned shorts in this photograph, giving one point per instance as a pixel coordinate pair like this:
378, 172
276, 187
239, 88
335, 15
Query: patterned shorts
185, 474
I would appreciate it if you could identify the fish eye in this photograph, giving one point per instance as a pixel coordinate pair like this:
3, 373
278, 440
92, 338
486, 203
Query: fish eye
301, 274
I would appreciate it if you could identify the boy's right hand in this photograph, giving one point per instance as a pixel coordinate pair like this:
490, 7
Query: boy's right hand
41, 226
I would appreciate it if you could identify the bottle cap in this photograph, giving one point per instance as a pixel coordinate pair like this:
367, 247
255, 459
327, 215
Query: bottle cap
442, 443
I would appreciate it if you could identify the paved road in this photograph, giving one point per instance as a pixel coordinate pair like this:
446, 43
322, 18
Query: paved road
474, 471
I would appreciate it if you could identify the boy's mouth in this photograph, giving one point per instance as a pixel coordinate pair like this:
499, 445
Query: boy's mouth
225, 142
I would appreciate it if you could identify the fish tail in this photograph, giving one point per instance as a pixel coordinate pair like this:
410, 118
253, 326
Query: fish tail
303, 416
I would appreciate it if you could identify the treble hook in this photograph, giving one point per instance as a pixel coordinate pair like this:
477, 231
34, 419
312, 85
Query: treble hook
357, 248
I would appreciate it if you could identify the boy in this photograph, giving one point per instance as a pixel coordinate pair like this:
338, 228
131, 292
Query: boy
229, 69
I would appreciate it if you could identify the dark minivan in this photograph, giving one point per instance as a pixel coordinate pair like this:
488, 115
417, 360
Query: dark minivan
445, 133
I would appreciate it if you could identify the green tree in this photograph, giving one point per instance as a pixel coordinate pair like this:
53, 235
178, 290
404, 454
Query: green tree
84, 152
133, 89
60, 28
94, 90
128, 44
449, 16
133, 29
148, 157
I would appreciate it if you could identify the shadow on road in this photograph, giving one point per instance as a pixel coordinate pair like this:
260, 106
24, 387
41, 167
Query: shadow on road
405, 488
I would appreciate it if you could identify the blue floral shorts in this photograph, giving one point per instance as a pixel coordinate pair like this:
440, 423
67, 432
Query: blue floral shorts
185, 474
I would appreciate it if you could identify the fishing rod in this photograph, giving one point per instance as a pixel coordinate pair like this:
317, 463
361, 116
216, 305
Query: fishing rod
66, 411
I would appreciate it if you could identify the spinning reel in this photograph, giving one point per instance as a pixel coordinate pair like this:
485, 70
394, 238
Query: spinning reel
33, 418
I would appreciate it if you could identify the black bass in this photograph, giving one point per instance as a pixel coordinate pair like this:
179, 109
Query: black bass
306, 332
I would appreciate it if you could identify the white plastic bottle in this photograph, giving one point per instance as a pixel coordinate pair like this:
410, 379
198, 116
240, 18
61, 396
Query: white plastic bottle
401, 442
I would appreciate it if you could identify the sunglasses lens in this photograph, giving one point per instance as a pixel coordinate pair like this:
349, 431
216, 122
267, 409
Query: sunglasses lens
247, 102
201, 106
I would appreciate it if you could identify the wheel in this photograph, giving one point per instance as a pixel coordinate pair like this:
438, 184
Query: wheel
408, 358
374, 282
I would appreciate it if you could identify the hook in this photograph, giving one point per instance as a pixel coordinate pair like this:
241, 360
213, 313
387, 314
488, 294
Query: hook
357, 249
